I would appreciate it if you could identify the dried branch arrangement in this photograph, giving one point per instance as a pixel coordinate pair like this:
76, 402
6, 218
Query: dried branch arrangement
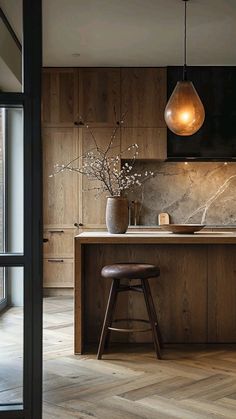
105, 166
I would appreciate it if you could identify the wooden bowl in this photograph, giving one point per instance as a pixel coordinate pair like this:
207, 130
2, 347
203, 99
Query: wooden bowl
182, 228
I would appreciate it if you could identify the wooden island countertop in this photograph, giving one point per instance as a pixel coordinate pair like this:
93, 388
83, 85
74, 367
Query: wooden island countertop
195, 296
158, 237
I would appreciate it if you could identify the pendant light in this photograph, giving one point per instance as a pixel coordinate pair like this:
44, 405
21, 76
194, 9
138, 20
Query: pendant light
184, 112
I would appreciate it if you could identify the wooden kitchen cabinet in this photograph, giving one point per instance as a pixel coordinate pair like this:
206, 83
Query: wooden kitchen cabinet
92, 203
58, 273
143, 97
99, 96
152, 143
59, 242
59, 97
222, 293
60, 198
58, 251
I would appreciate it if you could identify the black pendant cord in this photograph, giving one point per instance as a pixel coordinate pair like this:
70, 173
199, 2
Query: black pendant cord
185, 41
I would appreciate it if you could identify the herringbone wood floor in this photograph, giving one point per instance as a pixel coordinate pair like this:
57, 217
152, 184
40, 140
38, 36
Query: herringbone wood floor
189, 383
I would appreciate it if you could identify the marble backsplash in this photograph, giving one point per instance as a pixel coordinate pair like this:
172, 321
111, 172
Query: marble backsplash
195, 192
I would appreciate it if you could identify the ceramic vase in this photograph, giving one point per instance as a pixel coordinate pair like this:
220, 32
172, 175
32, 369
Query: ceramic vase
117, 214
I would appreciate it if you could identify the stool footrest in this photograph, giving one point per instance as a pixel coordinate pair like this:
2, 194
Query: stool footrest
116, 329
137, 288
130, 320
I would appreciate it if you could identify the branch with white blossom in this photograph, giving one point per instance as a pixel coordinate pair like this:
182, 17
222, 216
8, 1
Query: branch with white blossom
99, 164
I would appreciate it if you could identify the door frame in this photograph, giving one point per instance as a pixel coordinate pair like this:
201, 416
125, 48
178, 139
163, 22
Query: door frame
31, 259
3, 301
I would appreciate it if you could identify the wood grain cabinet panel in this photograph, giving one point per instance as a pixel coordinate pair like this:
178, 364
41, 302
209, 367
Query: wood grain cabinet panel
59, 242
99, 96
60, 145
152, 143
59, 97
181, 293
58, 273
143, 97
222, 293
92, 203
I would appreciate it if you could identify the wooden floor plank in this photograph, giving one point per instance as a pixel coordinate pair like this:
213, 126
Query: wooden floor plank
171, 408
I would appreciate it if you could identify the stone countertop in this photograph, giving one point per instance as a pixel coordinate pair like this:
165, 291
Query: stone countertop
157, 237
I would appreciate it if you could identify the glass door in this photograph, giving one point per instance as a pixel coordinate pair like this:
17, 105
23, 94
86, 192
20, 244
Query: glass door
2, 207
20, 210
3, 291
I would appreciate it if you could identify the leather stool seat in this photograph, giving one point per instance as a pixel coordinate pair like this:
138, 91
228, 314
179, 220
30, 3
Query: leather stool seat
130, 271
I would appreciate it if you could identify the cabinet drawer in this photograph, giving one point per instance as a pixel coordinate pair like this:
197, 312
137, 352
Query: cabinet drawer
58, 273
58, 243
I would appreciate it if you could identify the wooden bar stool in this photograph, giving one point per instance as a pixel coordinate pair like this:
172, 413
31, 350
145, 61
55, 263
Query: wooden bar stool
130, 271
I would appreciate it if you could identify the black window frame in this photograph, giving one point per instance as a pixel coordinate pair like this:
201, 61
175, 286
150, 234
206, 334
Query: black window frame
31, 259
3, 301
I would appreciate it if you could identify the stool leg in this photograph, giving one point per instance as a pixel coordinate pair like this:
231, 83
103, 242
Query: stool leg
154, 313
108, 318
152, 316
108, 335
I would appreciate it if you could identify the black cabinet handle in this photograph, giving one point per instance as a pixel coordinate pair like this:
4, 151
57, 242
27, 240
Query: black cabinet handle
78, 225
56, 231
78, 123
45, 240
56, 260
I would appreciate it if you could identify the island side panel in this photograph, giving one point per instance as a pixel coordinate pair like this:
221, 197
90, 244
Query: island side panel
180, 294
222, 294
79, 298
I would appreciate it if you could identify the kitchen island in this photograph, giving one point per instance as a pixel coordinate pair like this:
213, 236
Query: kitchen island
195, 295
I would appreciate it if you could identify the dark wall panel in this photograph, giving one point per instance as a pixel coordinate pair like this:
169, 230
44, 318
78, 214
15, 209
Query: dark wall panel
216, 87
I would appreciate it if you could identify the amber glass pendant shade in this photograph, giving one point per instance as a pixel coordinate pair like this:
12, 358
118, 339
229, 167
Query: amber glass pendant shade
184, 113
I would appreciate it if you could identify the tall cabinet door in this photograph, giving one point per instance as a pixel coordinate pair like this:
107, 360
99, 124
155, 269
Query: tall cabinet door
143, 97
93, 202
59, 97
60, 191
60, 206
99, 97
143, 101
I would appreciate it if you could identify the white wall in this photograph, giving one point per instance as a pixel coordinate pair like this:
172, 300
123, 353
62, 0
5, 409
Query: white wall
10, 62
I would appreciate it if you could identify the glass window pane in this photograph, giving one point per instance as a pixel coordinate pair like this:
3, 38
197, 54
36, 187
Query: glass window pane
2, 180
11, 340
14, 181
11, 180
10, 46
2, 286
